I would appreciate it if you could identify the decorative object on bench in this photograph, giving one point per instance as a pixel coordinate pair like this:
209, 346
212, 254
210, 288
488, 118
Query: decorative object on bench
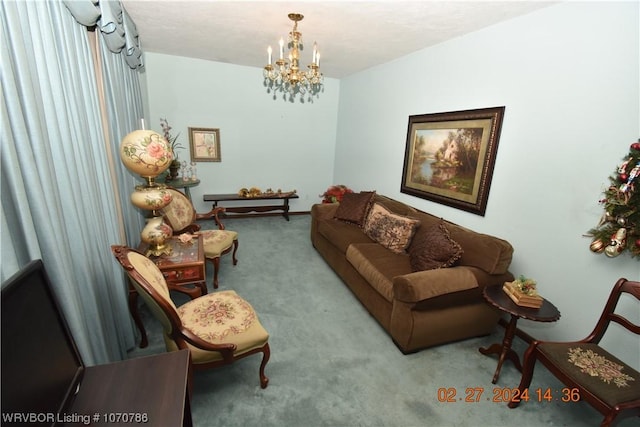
335, 193
449, 157
218, 328
255, 192
619, 228
182, 217
523, 292
590, 372
419, 306
148, 154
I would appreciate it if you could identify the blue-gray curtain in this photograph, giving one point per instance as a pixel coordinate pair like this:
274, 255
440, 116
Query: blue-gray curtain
61, 185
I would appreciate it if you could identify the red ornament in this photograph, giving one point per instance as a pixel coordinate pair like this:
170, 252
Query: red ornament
624, 177
635, 146
638, 243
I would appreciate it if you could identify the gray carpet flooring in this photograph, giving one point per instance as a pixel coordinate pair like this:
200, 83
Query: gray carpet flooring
333, 365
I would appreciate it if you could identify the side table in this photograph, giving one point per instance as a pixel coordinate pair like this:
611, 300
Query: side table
184, 184
496, 297
179, 182
184, 271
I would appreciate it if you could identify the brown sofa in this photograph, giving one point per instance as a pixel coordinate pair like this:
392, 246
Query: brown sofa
422, 308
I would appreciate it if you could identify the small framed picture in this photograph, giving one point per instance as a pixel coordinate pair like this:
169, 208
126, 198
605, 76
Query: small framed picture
204, 144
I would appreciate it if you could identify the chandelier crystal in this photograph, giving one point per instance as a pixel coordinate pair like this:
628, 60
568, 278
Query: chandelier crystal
285, 75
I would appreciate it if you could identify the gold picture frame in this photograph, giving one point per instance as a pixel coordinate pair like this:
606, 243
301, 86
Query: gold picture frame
204, 144
449, 157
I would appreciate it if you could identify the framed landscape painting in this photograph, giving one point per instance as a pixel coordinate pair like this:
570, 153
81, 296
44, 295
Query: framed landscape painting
449, 157
205, 144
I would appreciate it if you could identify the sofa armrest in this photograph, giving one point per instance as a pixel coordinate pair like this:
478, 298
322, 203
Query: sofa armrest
423, 285
321, 211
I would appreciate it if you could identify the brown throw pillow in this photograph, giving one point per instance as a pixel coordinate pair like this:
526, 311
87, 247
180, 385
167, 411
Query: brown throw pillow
392, 231
433, 248
354, 207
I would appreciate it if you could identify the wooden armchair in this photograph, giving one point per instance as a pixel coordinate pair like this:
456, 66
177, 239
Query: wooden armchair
182, 216
218, 328
590, 372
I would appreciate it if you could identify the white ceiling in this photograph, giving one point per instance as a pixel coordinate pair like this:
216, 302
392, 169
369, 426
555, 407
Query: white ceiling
351, 35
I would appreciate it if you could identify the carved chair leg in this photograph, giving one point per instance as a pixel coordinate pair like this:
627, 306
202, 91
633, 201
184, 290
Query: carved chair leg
264, 381
235, 249
216, 266
529, 364
608, 420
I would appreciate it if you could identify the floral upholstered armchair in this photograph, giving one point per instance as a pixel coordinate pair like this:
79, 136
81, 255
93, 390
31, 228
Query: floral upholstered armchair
181, 216
218, 328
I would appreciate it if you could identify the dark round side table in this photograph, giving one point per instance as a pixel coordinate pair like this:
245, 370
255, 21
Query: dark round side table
496, 297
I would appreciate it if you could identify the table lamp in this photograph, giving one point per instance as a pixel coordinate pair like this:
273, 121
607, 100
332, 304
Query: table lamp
147, 153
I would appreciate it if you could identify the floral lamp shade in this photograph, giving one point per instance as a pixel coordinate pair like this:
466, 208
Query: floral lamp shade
146, 153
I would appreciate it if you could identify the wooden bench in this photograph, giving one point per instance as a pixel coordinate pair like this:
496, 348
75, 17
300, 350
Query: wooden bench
243, 209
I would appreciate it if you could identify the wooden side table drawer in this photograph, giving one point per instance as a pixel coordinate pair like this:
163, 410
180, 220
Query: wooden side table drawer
184, 274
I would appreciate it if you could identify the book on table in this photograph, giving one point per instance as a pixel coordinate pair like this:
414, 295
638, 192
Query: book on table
520, 298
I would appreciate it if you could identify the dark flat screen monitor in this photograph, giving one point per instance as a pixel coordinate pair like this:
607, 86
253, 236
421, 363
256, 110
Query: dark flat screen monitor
41, 366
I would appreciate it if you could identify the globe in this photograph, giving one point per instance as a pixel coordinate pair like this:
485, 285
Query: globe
146, 153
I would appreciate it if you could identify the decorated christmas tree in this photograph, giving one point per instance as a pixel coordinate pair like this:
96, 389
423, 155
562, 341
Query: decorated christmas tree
619, 227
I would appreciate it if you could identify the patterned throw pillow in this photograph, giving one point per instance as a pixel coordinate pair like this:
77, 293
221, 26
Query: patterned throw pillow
354, 207
392, 231
434, 248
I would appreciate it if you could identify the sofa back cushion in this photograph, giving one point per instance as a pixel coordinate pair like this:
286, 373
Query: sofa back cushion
342, 234
489, 253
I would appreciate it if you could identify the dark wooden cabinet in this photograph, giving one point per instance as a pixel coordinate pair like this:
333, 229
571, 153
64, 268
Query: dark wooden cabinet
150, 391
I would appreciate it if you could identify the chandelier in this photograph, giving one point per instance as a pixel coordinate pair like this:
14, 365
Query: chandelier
285, 75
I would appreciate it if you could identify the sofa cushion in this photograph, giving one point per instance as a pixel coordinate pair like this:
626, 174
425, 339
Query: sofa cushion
378, 266
434, 248
392, 231
354, 207
342, 234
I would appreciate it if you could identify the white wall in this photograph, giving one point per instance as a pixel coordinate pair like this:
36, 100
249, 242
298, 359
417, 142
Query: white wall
569, 78
265, 143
